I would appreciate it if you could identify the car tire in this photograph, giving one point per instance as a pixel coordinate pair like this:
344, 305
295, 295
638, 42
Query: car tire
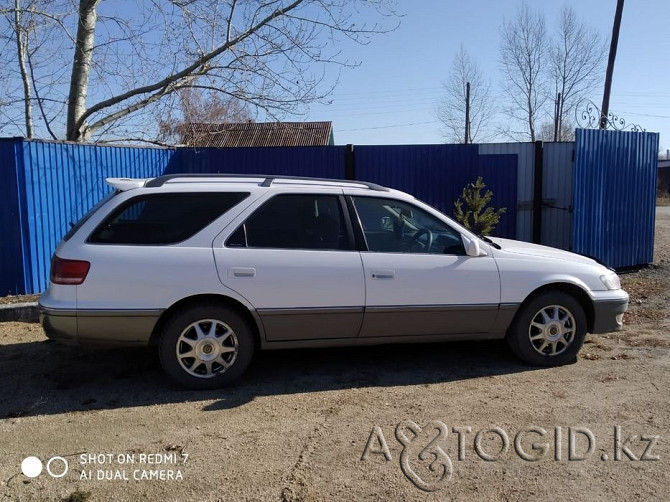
549, 330
206, 346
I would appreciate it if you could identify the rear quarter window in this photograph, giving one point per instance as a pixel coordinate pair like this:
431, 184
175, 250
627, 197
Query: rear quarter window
166, 218
76, 226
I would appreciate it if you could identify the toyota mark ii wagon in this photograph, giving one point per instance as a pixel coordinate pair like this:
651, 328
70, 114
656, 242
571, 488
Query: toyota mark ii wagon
211, 268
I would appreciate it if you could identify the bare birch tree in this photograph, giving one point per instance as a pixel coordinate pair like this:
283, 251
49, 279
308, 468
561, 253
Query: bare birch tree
523, 54
126, 62
577, 55
32, 39
451, 109
20, 36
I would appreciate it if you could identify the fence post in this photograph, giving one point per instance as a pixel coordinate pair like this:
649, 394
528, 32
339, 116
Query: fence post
349, 163
538, 165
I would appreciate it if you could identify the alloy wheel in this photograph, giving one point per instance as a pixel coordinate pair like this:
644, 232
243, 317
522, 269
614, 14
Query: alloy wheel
207, 348
552, 330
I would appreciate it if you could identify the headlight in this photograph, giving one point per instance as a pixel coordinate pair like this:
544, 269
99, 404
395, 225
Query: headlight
611, 280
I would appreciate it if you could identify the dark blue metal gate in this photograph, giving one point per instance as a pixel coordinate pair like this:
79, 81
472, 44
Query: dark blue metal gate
615, 196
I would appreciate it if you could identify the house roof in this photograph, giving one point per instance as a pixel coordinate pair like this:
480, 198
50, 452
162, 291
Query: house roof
259, 134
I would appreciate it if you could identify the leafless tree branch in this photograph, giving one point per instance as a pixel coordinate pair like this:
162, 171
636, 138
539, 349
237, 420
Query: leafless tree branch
451, 109
117, 71
577, 55
523, 53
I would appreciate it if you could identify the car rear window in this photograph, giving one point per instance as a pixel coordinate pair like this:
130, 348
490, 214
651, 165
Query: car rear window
76, 226
167, 218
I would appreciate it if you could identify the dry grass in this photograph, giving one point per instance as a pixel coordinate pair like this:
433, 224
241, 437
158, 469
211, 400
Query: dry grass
649, 290
640, 286
4, 300
637, 314
654, 342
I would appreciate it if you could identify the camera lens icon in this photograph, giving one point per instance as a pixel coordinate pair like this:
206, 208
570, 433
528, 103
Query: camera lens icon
32, 467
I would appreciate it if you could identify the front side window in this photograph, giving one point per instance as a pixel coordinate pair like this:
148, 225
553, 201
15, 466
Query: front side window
165, 218
292, 221
393, 226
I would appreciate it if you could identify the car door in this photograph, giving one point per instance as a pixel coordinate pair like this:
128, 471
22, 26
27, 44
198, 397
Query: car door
294, 261
418, 279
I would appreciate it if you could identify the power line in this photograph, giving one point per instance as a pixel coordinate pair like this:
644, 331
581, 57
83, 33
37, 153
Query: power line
388, 126
365, 97
387, 111
379, 104
394, 91
645, 115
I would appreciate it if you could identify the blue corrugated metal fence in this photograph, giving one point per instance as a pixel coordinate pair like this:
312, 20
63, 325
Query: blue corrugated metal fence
314, 161
433, 173
437, 174
11, 260
45, 185
615, 196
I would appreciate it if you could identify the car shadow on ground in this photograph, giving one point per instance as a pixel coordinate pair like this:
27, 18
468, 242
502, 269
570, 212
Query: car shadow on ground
41, 378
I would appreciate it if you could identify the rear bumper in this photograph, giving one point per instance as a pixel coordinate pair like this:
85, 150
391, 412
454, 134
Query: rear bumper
608, 314
60, 325
99, 327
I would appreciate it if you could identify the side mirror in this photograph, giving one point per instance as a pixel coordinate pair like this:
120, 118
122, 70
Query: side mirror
472, 247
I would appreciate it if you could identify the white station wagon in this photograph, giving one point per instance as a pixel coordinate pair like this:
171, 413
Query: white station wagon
211, 268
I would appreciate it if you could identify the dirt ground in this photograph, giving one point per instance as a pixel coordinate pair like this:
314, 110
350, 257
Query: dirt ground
297, 427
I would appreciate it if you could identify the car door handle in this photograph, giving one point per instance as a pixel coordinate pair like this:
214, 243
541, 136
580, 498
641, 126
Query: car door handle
242, 272
383, 274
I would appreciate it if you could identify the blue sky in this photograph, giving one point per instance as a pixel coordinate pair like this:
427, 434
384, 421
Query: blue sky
391, 97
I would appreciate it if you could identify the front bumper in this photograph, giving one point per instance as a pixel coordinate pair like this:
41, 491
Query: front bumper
608, 314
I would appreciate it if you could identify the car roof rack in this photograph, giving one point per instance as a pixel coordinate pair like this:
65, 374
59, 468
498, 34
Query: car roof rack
267, 179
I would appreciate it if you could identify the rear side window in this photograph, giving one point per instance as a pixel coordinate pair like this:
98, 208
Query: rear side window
294, 222
163, 218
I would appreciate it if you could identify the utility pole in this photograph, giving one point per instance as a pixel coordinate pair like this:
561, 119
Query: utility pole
467, 113
561, 103
557, 118
610, 65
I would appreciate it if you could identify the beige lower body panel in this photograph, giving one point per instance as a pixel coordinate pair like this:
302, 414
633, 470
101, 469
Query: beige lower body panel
310, 324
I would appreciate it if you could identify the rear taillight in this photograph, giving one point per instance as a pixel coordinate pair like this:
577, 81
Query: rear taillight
68, 271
